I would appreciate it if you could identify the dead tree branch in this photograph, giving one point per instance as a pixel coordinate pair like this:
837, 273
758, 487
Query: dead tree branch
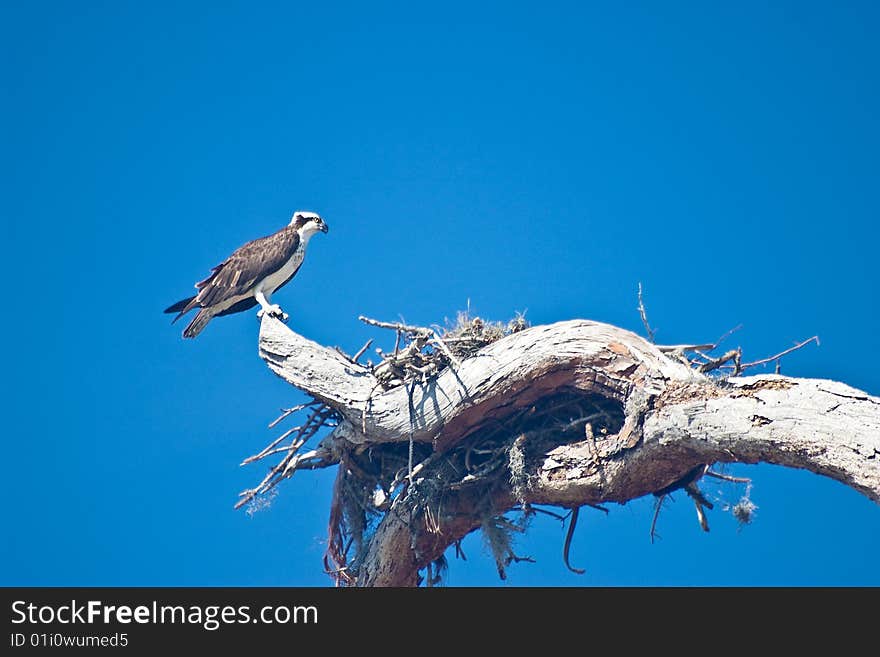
505, 429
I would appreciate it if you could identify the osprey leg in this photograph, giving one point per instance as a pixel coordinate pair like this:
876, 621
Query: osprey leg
271, 309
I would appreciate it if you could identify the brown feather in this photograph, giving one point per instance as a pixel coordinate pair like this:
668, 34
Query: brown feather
236, 277
241, 271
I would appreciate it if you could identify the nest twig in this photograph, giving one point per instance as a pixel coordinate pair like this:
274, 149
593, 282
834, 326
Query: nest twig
729, 363
320, 415
421, 352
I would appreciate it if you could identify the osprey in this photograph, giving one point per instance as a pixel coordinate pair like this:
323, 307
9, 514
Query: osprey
251, 274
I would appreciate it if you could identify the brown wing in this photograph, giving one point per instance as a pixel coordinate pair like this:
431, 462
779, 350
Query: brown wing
240, 272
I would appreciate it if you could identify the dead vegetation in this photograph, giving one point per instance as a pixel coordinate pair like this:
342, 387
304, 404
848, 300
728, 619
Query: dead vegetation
495, 456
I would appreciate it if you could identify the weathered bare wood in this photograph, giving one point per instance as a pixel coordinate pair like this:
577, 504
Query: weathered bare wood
821, 426
676, 419
813, 424
323, 372
515, 370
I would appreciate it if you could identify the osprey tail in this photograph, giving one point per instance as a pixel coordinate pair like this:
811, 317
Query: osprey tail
200, 321
182, 307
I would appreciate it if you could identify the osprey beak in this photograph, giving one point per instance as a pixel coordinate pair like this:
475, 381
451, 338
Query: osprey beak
324, 228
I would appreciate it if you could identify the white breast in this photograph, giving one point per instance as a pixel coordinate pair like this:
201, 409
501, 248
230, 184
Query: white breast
273, 281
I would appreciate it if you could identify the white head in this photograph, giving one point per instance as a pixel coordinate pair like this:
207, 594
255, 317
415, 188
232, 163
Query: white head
307, 224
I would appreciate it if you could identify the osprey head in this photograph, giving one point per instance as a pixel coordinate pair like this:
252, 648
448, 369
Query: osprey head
308, 223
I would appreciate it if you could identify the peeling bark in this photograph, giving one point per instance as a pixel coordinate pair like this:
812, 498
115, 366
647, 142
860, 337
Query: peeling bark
675, 420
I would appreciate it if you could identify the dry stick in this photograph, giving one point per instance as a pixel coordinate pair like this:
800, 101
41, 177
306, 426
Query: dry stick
311, 426
568, 426
266, 450
699, 353
419, 331
277, 450
400, 478
732, 355
397, 326
422, 372
362, 351
449, 340
294, 446
288, 411
316, 421
512, 558
701, 516
445, 349
572, 523
504, 522
591, 439
249, 494
726, 335
737, 480
367, 405
263, 486
644, 315
721, 362
815, 339
657, 508
699, 348
397, 343
535, 509
314, 459
302, 438
700, 501
667, 348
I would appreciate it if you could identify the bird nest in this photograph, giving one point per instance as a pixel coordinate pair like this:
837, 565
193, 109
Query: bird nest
498, 455
422, 352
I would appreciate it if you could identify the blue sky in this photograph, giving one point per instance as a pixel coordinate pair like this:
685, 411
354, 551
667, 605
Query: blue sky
538, 157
